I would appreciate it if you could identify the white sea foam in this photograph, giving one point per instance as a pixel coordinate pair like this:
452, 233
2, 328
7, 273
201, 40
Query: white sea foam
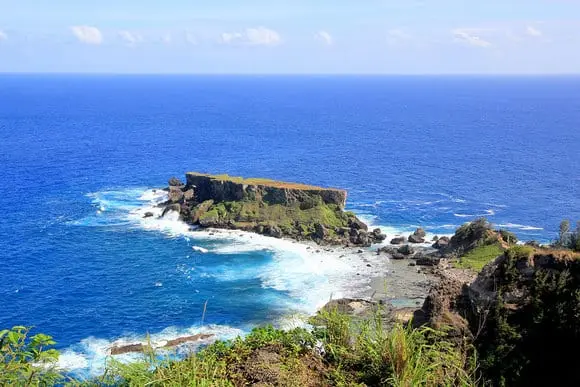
520, 227
89, 357
200, 249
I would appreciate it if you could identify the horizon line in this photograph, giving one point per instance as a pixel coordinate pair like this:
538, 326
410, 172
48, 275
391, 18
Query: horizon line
77, 73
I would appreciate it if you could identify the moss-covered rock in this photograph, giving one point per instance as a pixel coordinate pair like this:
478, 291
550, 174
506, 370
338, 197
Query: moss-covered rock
272, 208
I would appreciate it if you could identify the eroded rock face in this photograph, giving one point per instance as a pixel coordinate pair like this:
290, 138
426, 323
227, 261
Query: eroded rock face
226, 190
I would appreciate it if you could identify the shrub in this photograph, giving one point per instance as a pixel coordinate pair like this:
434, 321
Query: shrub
27, 361
508, 237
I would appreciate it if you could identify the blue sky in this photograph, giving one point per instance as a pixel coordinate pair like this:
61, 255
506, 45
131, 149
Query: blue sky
294, 36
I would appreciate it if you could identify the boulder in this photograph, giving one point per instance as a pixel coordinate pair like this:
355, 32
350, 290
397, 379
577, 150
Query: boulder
435, 238
175, 194
148, 215
320, 231
175, 182
201, 209
386, 250
357, 224
172, 207
427, 261
441, 243
420, 233
406, 250
378, 235
415, 239
398, 241
273, 231
398, 256
188, 195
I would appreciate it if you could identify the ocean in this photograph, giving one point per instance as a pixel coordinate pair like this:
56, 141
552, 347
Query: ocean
82, 155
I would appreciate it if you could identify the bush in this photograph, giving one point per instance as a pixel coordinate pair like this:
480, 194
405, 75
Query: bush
508, 237
27, 361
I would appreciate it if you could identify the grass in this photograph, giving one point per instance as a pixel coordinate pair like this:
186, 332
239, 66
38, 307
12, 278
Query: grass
286, 217
260, 181
477, 258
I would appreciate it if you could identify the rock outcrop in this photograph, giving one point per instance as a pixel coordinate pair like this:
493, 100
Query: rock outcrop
521, 313
272, 208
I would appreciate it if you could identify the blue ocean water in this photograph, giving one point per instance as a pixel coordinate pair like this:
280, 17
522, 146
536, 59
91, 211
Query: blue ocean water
80, 156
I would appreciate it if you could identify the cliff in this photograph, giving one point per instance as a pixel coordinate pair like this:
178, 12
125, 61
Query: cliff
521, 312
268, 207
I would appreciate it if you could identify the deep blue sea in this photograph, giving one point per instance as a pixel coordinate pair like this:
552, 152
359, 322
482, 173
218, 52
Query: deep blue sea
80, 155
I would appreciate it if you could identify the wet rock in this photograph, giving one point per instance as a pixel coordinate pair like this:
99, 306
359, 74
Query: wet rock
188, 195
170, 208
175, 182
398, 241
130, 348
415, 239
398, 256
148, 215
427, 261
175, 194
320, 231
441, 243
357, 224
378, 235
406, 250
386, 250
187, 339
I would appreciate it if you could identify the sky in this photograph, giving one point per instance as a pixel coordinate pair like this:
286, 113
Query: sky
291, 37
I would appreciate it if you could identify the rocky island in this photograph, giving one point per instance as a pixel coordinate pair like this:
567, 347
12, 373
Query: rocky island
273, 208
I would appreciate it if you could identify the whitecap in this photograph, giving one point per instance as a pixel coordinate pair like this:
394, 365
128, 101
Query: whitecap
200, 249
520, 227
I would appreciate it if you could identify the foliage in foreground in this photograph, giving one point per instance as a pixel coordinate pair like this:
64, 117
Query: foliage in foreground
27, 360
338, 351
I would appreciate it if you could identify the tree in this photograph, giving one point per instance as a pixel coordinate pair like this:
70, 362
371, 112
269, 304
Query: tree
564, 230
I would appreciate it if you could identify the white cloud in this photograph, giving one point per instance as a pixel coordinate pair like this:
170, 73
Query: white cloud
531, 31
87, 34
470, 38
324, 37
260, 36
130, 37
3, 36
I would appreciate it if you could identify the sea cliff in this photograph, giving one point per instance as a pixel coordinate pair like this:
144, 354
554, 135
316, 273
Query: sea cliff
274, 208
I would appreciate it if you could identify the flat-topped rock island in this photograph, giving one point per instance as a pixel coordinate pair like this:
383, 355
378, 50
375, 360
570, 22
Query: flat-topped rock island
268, 207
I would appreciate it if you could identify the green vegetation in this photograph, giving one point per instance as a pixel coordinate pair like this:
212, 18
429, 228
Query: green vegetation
477, 258
567, 238
291, 219
529, 343
508, 237
27, 361
338, 351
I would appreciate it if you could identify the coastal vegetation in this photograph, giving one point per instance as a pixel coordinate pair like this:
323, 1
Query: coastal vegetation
513, 324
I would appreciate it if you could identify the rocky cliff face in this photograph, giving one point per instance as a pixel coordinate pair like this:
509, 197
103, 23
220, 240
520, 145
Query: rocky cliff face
521, 312
230, 189
273, 208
